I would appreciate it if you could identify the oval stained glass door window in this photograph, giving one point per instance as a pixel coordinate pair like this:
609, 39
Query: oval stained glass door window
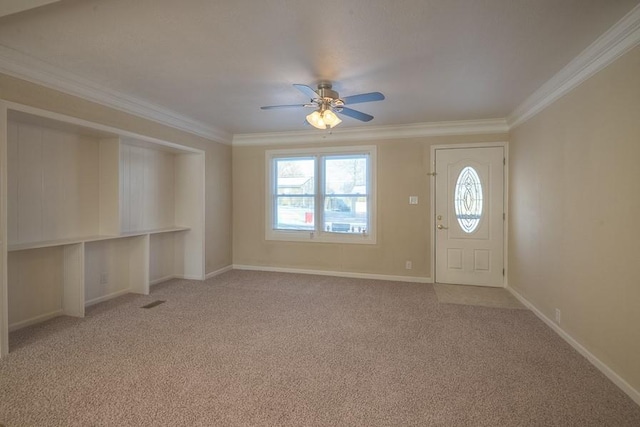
468, 199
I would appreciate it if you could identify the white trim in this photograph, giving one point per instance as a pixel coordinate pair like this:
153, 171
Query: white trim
34, 320
606, 370
321, 236
190, 277
432, 190
410, 279
218, 272
615, 42
372, 133
505, 208
107, 297
26, 67
117, 132
162, 279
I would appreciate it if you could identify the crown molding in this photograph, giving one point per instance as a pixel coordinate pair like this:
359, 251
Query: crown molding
25, 67
372, 133
615, 42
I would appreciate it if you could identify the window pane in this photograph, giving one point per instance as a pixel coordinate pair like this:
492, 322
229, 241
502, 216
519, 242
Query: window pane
295, 176
294, 213
345, 175
345, 214
468, 199
322, 196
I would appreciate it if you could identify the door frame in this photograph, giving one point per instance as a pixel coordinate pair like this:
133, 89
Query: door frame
432, 197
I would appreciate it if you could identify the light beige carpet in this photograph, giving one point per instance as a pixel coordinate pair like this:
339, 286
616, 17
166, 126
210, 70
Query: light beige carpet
476, 295
270, 349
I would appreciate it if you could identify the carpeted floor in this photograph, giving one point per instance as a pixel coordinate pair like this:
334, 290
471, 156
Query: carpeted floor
476, 295
254, 348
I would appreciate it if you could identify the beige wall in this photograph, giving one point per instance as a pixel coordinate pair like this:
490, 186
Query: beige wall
575, 214
402, 229
217, 156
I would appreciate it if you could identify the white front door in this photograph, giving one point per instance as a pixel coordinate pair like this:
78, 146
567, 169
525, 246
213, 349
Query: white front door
469, 216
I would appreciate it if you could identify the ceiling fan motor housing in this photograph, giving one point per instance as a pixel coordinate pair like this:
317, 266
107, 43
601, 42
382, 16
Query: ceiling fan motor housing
329, 98
325, 92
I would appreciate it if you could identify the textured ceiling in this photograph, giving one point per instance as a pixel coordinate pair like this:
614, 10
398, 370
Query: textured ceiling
217, 62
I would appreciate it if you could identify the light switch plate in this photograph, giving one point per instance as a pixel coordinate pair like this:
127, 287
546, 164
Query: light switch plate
413, 200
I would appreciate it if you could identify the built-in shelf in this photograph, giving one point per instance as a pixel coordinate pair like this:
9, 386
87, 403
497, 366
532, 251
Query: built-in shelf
52, 243
86, 239
156, 231
91, 213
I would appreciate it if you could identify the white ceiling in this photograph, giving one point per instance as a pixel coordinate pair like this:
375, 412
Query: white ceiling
217, 62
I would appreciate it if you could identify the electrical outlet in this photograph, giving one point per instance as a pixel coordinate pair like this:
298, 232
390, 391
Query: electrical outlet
558, 316
413, 200
104, 278
408, 265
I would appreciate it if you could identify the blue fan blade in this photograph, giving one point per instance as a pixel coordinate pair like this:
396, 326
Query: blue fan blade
355, 114
312, 94
364, 97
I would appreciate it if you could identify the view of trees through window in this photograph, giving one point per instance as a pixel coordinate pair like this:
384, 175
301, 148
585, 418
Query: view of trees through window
342, 195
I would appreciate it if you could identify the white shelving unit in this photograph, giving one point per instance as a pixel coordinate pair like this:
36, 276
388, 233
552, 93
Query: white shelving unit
88, 213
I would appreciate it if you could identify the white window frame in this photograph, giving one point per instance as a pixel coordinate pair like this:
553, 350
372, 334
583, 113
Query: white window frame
319, 235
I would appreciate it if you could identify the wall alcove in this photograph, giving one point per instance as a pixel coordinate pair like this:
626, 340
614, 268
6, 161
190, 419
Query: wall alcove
89, 213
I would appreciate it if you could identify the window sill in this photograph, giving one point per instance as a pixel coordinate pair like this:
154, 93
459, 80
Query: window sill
323, 237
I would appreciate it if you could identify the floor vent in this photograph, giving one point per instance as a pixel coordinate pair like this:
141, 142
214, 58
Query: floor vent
153, 304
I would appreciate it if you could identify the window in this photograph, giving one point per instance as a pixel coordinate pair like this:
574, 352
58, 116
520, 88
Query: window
468, 199
324, 195
295, 193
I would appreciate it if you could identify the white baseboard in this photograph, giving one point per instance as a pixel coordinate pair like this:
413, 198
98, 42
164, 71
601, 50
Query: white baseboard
606, 370
28, 322
218, 272
106, 297
334, 273
188, 277
163, 279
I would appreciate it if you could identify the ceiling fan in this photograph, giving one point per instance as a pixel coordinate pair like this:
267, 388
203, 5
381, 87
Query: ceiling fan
327, 102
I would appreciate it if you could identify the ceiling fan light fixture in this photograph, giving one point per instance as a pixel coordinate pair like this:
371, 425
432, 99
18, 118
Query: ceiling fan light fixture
321, 119
331, 119
315, 119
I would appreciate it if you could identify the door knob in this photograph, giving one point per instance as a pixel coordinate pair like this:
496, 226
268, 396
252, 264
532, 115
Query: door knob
442, 227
